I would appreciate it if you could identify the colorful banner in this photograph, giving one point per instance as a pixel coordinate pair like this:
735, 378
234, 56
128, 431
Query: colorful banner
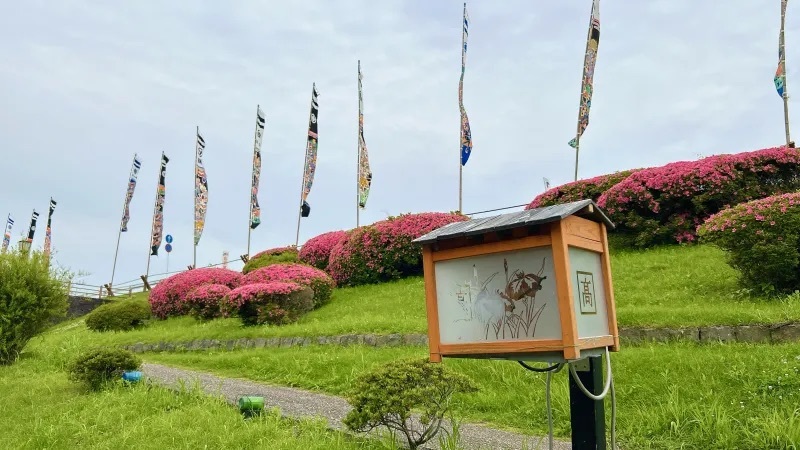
158, 213
364, 172
32, 227
311, 152
255, 210
592, 42
7, 234
126, 213
200, 190
47, 235
466, 133
780, 73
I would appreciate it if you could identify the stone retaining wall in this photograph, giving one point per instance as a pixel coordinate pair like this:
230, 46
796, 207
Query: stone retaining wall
777, 333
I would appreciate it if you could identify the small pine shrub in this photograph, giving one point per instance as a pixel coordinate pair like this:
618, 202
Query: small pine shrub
589, 189
320, 282
119, 315
762, 241
386, 396
383, 251
274, 303
168, 297
317, 250
31, 295
205, 301
96, 367
666, 204
269, 257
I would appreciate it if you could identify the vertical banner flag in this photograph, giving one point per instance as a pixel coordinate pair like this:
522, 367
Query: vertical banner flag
592, 42
32, 228
7, 234
126, 213
255, 210
200, 190
47, 235
158, 212
364, 172
311, 152
466, 134
780, 73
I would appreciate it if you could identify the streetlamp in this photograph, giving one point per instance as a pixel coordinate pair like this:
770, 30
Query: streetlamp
24, 247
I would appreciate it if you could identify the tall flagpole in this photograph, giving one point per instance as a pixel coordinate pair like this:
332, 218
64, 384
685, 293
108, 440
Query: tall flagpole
124, 206
461, 127
194, 213
589, 60
785, 73
358, 146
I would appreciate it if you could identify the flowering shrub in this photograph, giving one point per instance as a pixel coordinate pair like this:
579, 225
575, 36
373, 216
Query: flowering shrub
204, 301
762, 238
591, 188
383, 251
273, 303
270, 256
317, 250
666, 204
320, 282
168, 297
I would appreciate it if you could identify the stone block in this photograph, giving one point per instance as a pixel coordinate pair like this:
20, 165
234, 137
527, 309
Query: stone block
720, 333
752, 333
787, 332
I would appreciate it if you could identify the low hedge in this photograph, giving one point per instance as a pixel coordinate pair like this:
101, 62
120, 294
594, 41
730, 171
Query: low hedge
317, 250
97, 367
320, 282
762, 241
274, 303
204, 301
591, 188
666, 204
269, 257
119, 315
383, 251
168, 297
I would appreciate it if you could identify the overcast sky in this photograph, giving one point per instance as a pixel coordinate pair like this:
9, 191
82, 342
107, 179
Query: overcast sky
86, 84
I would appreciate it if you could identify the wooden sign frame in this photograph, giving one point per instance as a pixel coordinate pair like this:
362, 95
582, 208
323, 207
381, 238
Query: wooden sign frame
571, 231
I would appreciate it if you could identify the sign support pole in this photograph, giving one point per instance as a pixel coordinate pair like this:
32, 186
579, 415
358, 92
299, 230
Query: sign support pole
587, 416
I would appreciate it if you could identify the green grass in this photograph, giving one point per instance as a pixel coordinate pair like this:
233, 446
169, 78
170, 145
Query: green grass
43, 409
664, 287
734, 396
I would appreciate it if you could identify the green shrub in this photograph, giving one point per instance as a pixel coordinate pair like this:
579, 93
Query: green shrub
273, 303
119, 315
97, 367
272, 256
386, 396
31, 295
762, 240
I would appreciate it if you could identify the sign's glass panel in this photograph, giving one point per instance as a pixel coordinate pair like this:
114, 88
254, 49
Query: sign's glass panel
506, 296
588, 291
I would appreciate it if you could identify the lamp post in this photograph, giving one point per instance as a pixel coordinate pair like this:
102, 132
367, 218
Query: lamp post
24, 247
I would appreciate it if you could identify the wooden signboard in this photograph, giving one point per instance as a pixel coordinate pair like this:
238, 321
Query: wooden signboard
532, 285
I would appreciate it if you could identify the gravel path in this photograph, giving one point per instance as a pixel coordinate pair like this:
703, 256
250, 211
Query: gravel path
297, 403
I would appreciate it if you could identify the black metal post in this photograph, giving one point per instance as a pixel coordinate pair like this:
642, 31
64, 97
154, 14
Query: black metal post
587, 416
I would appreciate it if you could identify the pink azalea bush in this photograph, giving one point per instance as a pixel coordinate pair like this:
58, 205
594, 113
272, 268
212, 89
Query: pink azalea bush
666, 204
204, 301
589, 189
383, 251
273, 303
168, 297
317, 250
270, 256
762, 240
320, 282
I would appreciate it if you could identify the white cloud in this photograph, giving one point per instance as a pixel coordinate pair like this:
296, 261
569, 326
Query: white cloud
86, 84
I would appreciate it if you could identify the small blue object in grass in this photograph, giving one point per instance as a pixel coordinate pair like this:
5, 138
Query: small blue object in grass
132, 377
249, 405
